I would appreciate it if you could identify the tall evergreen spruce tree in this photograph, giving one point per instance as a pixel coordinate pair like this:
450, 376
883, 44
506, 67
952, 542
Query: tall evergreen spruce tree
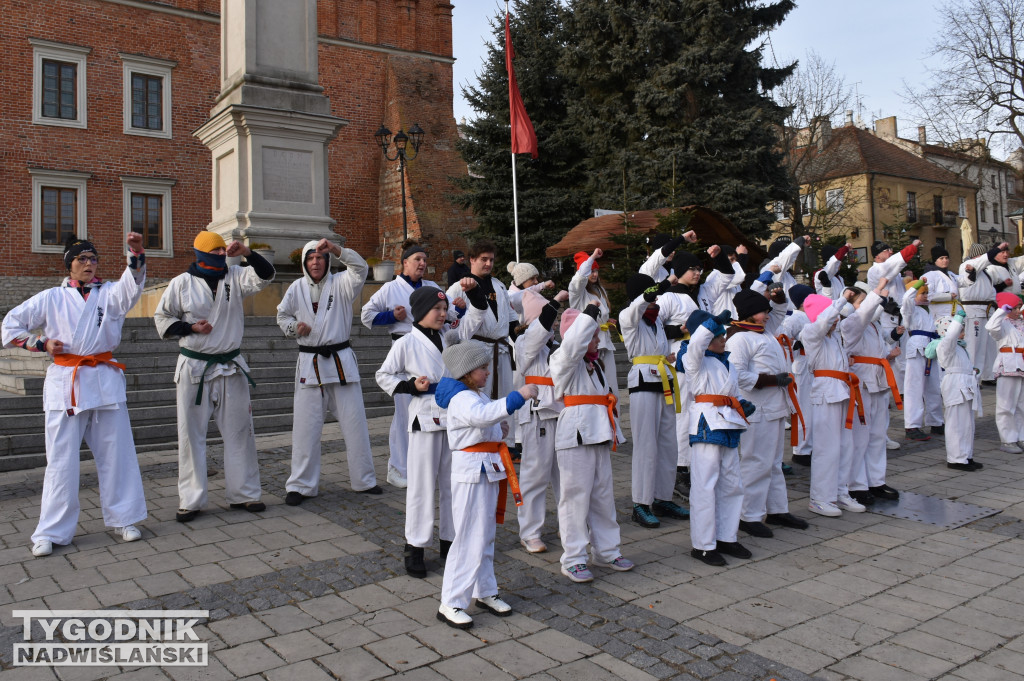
664, 78
551, 200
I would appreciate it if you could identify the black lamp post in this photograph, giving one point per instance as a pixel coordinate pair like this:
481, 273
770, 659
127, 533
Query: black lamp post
401, 142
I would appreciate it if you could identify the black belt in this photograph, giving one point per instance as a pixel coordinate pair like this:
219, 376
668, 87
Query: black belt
396, 336
494, 359
324, 350
977, 302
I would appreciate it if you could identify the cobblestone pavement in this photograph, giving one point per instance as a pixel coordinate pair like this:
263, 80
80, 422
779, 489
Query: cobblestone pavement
318, 591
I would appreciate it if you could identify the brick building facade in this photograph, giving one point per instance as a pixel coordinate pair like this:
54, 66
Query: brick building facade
100, 99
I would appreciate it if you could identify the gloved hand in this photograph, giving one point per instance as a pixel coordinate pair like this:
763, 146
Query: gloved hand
777, 294
1006, 308
823, 278
916, 285
784, 379
697, 319
960, 315
748, 407
725, 318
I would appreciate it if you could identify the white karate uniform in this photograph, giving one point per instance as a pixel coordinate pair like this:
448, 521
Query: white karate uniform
718, 289
922, 392
654, 266
716, 490
225, 396
318, 387
943, 292
674, 308
960, 395
785, 262
836, 283
430, 466
579, 298
1009, 371
538, 423
791, 328
652, 417
890, 269
100, 416
979, 300
586, 504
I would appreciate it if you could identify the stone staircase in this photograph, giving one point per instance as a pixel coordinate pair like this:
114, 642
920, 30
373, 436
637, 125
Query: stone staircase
151, 392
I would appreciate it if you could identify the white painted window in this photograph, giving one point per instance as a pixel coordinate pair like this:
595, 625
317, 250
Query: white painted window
58, 208
834, 200
147, 209
147, 95
961, 206
58, 84
806, 204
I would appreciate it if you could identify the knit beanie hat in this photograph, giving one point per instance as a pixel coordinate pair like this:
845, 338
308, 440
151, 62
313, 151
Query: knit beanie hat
939, 252
533, 303
412, 250
74, 247
798, 294
462, 357
827, 252
423, 301
777, 247
814, 305
1007, 298
975, 250
568, 317
636, 285
581, 257
861, 286
683, 261
879, 246
207, 241
748, 303
522, 271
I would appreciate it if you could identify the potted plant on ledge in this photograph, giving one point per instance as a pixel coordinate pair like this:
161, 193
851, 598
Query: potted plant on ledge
263, 249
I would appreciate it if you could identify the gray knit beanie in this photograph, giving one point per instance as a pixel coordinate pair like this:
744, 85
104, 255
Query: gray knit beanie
522, 272
464, 356
975, 251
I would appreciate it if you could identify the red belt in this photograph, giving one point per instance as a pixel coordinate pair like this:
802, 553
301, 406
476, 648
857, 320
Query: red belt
512, 480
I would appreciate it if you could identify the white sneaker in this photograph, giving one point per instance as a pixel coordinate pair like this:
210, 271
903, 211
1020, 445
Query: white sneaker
1010, 448
891, 444
455, 617
495, 606
848, 503
824, 508
534, 545
43, 547
129, 533
395, 479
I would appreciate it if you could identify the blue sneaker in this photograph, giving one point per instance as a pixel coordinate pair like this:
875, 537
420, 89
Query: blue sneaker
642, 516
669, 509
578, 573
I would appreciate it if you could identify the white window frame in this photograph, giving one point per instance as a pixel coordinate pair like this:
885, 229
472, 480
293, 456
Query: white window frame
961, 206
835, 199
47, 49
147, 66
983, 211
149, 185
807, 203
65, 179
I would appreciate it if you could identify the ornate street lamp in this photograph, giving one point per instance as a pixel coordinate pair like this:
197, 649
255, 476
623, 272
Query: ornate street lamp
401, 142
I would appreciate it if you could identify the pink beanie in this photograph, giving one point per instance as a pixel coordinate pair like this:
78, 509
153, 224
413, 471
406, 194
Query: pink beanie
568, 317
814, 305
533, 303
1006, 298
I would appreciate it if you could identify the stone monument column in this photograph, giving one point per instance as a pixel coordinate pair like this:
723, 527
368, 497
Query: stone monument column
269, 130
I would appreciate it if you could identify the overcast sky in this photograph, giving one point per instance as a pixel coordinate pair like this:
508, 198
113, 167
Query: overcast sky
875, 44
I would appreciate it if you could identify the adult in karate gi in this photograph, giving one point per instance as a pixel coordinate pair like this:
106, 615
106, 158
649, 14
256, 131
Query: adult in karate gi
1007, 329
317, 310
84, 391
978, 289
888, 265
943, 285
389, 307
202, 309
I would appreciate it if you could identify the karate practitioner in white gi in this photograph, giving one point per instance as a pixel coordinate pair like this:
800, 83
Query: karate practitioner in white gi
782, 256
827, 281
663, 248
414, 367
476, 427
943, 285
584, 287
922, 380
1007, 329
317, 310
961, 398
389, 307
978, 288
202, 308
888, 265
789, 336
724, 280
587, 428
84, 391
538, 421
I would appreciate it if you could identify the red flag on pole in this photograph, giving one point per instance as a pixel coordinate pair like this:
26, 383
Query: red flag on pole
524, 139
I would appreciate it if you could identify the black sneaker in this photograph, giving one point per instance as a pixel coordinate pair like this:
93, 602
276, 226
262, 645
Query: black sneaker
414, 565
376, 489
939, 430
250, 506
642, 516
884, 492
294, 498
969, 466
756, 529
977, 464
712, 558
184, 515
863, 496
917, 435
669, 509
682, 487
802, 459
446, 546
734, 549
786, 520
787, 469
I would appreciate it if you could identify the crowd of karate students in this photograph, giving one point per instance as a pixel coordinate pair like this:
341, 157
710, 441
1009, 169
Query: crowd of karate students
720, 367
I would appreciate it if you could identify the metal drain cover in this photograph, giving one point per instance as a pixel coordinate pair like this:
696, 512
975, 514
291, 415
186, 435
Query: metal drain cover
932, 510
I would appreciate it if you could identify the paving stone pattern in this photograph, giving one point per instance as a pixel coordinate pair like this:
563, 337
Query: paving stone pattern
318, 591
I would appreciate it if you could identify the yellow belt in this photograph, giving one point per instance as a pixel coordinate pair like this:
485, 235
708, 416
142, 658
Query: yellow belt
668, 377
607, 327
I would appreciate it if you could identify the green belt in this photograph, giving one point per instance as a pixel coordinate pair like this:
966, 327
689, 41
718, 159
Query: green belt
227, 357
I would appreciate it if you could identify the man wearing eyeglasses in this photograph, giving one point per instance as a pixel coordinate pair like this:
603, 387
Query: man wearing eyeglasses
84, 392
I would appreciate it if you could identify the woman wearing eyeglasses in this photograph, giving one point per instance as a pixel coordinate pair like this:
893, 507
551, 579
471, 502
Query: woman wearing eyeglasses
84, 392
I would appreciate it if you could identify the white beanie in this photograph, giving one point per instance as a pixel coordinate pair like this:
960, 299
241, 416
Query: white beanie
464, 356
521, 272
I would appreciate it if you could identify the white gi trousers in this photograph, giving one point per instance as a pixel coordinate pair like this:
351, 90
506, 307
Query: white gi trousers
538, 469
586, 505
960, 432
868, 461
226, 399
830, 469
430, 468
655, 453
682, 422
805, 442
398, 435
764, 486
980, 345
716, 495
1010, 408
309, 406
469, 569
109, 435
922, 395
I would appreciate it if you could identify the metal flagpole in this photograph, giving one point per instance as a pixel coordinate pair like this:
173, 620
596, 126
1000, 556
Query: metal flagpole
515, 200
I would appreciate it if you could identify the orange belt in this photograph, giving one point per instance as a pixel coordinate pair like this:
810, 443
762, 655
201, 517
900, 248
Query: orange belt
1020, 350
723, 401
787, 345
796, 409
856, 401
69, 360
511, 480
539, 380
608, 400
890, 378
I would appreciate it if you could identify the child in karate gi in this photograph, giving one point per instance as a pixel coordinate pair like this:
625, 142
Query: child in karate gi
961, 397
586, 428
922, 394
789, 336
585, 286
537, 423
718, 415
414, 367
1006, 328
476, 429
